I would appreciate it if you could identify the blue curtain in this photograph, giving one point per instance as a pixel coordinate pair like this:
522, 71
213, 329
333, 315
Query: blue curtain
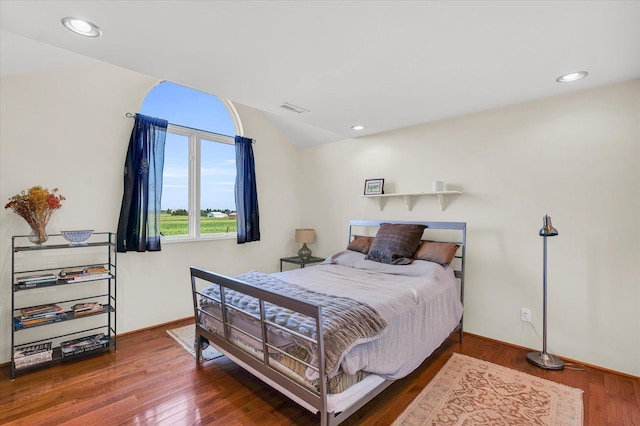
246, 192
139, 223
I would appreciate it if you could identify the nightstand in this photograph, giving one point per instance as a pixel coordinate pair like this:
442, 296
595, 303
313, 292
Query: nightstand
298, 261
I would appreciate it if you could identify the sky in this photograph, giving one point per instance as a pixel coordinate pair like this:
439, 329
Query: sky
191, 108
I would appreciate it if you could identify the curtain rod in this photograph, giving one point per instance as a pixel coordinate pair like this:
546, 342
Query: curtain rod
253, 141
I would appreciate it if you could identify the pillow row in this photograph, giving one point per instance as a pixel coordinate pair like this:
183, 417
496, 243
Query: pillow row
399, 244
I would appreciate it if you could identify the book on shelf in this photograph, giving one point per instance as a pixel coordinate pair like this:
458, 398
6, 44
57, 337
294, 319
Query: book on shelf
35, 278
33, 311
90, 312
44, 318
87, 270
35, 284
39, 280
87, 277
82, 309
45, 314
30, 363
41, 356
95, 269
84, 344
26, 356
38, 315
78, 307
20, 323
25, 351
46, 356
70, 272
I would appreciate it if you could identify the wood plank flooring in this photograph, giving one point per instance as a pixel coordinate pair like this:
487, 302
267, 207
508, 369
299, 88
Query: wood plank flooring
152, 380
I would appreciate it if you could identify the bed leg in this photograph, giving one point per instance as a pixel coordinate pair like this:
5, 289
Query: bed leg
461, 334
327, 419
198, 349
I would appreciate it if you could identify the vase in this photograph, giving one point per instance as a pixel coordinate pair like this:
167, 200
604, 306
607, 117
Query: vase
38, 234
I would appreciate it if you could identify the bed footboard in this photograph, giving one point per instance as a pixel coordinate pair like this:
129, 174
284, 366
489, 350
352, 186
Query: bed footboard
229, 337
225, 335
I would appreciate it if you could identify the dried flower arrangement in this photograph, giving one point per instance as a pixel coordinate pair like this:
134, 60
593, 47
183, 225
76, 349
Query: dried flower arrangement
36, 206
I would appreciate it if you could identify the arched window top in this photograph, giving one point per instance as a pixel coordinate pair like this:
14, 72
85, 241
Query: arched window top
199, 170
192, 108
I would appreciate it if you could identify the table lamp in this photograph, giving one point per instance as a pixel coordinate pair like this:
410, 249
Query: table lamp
305, 236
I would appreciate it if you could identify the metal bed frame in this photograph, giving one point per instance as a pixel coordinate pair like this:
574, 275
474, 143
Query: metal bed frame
262, 365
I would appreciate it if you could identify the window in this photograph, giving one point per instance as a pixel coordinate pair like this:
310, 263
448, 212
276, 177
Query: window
199, 165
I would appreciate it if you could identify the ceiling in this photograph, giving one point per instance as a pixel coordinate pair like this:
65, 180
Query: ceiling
384, 64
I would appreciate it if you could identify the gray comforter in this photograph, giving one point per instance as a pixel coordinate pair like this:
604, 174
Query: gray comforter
346, 322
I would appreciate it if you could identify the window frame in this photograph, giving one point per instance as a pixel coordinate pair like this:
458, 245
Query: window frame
195, 138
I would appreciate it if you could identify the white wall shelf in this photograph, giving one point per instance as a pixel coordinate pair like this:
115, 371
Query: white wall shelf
410, 198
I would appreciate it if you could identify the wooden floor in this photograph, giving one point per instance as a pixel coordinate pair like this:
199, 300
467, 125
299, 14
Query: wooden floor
152, 380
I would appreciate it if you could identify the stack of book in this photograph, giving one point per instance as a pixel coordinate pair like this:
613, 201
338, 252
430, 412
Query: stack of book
84, 344
39, 280
89, 273
41, 314
28, 356
89, 308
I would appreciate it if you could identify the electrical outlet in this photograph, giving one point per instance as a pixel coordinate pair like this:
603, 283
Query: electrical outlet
525, 314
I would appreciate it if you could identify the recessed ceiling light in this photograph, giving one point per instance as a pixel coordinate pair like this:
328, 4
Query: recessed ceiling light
574, 76
82, 27
358, 127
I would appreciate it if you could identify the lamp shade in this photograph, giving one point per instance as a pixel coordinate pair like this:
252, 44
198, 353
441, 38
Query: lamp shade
547, 228
305, 235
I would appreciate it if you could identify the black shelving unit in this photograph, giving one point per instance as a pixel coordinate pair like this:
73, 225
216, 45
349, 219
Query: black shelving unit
50, 258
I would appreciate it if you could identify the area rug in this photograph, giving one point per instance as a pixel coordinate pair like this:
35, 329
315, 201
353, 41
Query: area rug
468, 391
186, 335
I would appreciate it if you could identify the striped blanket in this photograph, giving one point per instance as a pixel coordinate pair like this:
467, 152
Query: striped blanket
346, 322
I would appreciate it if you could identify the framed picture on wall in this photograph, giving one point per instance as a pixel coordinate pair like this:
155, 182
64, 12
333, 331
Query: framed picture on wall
373, 186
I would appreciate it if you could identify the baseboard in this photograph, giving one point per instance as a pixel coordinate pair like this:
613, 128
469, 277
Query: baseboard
566, 360
169, 324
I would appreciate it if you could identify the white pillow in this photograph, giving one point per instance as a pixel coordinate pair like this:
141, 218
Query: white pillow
357, 260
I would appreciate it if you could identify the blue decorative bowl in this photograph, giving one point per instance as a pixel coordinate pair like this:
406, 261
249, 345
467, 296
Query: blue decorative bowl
77, 237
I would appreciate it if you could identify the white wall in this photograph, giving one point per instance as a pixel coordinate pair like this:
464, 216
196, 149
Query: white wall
68, 129
575, 157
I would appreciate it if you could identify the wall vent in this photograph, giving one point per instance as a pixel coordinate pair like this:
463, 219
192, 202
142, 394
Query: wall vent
294, 108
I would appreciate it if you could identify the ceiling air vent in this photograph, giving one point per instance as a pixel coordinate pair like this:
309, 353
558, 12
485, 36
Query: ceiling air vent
291, 107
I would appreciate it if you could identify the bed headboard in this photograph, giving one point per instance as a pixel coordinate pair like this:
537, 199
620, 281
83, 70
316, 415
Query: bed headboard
450, 232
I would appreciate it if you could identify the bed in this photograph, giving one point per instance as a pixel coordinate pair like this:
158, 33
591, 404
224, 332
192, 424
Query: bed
325, 335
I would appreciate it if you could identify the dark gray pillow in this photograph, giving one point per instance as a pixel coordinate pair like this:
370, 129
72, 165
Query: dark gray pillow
395, 243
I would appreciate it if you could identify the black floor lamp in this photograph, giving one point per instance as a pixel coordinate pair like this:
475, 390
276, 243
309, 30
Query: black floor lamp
543, 359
